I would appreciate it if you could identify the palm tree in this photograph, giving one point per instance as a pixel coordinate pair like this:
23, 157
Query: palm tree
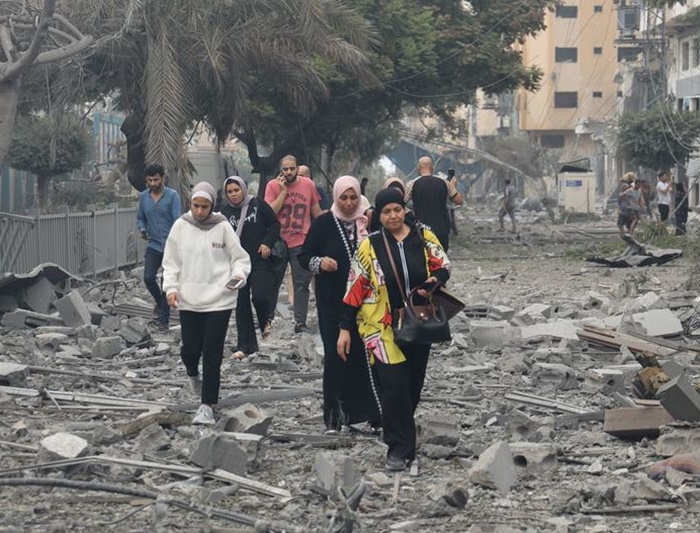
171, 64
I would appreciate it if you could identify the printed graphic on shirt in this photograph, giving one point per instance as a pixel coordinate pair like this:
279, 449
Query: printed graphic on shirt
375, 346
293, 215
251, 217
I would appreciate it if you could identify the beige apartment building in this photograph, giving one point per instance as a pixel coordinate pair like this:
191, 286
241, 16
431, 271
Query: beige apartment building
578, 92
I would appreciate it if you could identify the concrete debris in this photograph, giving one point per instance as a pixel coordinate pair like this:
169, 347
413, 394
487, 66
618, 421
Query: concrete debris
545, 401
220, 451
62, 446
495, 468
246, 418
335, 471
73, 309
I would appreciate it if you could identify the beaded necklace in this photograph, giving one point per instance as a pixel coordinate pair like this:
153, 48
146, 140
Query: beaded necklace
350, 250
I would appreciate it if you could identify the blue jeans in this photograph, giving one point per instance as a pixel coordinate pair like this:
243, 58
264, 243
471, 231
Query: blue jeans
153, 261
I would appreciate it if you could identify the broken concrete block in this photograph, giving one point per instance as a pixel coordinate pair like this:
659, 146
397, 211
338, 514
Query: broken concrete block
680, 399
15, 319
534, 310
501, 312
246, 418
595, 300
334, 471
134, 331
437, 431
73, 309
152, 438
561, 376
449, 493
62, 446
678, 441
560, 329
533, 458
39, 295
208, 496
565, 310
250, 442
107, 347
647, 301
608, 379
218, 451
495, 468
50, 340
522, 426
491, 335
659, 322
13, 375
671, 368
635, 422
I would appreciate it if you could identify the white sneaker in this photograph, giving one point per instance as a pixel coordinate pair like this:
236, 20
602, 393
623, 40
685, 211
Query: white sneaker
195, 385
204, 415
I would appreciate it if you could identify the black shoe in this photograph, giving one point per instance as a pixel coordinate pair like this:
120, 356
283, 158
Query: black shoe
395, 464
301, 328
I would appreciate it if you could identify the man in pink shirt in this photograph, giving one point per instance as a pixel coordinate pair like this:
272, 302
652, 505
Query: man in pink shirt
295, 200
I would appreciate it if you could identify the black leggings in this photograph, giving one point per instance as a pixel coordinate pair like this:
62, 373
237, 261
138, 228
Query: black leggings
262, 282
203, 336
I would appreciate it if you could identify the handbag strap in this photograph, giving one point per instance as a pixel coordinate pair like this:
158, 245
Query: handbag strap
393, 268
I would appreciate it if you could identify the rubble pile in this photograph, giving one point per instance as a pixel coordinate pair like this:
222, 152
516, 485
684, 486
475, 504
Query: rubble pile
566, 402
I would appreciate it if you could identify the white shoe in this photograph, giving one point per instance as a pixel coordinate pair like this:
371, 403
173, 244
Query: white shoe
195, 385
204, 415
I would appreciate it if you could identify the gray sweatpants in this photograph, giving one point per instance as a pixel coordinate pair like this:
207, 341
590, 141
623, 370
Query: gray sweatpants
301, 279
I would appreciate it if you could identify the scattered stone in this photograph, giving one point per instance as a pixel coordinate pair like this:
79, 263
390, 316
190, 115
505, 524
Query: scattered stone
219, 451
39, 295
13, 374
107, 347
501, 312
534, 458
73, 309
152, 438
438, 431
560, 329
50, 340
134, 331
62, 446
659, 323
680, 399
333, 471
96, 313
561, 376
495, 468
246, 418
491, 335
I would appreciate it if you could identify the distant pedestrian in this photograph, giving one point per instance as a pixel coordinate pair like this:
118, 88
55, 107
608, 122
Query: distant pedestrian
159, 208
363, 186
295, 201
258, 229
681, 208
324, 203
663, 195
507, 206
429, 195
203, 266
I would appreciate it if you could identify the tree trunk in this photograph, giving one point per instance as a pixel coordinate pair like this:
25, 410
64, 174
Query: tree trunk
133, 129
9, 96
42, 189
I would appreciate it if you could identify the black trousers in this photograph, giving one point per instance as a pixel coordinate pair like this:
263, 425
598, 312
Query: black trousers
203, 336
400, 389
261, 284
348, 397
444, 239
664, 211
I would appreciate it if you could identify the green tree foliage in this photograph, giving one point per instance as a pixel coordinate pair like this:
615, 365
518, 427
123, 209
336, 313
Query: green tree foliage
48, 146
658, 138
430, 57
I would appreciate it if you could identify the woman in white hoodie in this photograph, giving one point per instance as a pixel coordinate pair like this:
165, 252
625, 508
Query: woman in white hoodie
203, 266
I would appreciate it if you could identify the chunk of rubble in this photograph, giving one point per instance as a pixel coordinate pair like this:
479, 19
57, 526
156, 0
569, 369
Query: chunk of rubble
152, 438
107, 347
60, 446
246, 418
13, 374
659, 323
495, 468
219, 451
134, 331
335, 470
534, 458
73, 309
437, 431
39, 295
680, 399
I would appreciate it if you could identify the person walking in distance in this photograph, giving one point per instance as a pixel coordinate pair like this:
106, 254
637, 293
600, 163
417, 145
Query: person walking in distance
430, 194
258, 229
295, 201
663, 195
323, 202
204, 265
159, 208
507, 206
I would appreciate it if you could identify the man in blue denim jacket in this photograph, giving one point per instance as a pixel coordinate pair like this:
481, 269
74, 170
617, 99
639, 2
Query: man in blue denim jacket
159, 208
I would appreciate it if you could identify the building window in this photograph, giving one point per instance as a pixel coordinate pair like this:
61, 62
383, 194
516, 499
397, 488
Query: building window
597, 94
685, 55
628, 53
597, 8
598, 50
565, 99
566, 55
567, 12
696, 53
552, 140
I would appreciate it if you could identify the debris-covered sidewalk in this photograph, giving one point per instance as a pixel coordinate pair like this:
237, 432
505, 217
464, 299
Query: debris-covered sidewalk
565, 402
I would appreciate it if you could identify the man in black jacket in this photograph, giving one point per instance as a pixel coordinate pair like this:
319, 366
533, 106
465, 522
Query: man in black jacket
430, 194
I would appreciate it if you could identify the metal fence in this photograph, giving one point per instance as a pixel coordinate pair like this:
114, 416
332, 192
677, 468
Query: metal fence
85, 244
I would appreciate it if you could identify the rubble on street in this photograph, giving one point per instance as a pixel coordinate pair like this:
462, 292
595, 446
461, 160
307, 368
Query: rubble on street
566, 401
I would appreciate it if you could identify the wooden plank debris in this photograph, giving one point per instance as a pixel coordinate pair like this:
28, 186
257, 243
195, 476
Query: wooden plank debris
613, 339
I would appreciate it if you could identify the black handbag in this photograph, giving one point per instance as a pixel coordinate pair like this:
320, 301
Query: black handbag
450, 304
420, 324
